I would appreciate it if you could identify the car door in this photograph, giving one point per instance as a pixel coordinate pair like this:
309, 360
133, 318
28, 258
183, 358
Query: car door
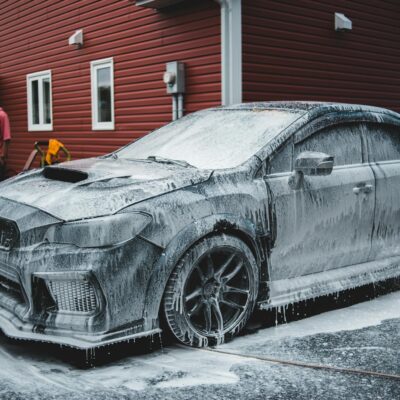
383, 148
327, 222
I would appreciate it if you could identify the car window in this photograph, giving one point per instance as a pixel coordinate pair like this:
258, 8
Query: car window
281, 160
213, 139
383, 142
341, 141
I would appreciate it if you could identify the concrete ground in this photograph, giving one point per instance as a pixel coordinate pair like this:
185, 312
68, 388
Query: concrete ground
362, 336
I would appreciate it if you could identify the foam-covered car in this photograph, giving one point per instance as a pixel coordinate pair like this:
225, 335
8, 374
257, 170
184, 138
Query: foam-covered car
200, 222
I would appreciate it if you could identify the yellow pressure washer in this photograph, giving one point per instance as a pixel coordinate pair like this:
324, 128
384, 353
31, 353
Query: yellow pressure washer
48, 156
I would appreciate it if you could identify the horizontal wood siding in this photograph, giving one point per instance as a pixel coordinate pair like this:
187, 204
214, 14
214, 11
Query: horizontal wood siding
291, 51
35, 35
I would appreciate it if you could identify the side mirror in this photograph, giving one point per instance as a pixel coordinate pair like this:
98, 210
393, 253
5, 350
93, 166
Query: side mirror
314, 163
310, 163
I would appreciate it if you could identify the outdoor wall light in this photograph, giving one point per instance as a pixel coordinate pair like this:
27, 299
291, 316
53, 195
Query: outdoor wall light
342, 23
76, 39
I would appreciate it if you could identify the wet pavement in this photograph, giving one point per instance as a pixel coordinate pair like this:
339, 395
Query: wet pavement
363, 336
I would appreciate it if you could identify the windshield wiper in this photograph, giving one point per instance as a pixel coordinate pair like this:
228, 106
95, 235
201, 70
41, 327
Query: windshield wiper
163, 160
157, 159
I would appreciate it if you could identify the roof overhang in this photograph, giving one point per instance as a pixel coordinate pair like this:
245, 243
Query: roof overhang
157, 3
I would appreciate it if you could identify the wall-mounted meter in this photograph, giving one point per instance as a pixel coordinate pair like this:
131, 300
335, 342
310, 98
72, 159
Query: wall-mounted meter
174, 77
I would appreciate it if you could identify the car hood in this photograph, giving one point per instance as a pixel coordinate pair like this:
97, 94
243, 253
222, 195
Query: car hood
99, 186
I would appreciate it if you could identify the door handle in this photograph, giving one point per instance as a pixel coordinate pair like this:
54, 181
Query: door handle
363, 189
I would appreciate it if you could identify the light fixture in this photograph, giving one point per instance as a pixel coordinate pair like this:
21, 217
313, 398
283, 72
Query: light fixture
76, 39
342, 23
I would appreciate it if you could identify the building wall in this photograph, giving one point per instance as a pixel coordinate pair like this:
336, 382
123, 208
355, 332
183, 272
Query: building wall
35, 38
291, 51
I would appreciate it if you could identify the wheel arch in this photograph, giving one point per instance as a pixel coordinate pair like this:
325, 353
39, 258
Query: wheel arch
215, 224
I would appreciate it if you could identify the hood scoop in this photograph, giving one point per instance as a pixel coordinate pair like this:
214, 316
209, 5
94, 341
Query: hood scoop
64, 174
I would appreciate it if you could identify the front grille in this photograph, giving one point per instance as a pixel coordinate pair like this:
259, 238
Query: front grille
9, 234
73, 296
12, 289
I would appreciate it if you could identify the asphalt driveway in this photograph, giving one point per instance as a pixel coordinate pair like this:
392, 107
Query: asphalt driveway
363, 336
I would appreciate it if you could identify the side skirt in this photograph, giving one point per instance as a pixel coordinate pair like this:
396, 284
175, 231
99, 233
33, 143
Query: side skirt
287, 291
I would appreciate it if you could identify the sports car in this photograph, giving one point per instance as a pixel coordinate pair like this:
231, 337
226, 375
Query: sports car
197, 224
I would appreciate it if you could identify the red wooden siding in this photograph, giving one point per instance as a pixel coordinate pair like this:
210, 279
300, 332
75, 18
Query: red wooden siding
35, 35
291, 51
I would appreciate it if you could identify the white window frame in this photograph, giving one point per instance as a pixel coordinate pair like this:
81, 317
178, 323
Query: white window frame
39, 76
94, 66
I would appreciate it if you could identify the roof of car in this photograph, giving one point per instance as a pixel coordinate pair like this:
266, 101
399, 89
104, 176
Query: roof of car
307, 106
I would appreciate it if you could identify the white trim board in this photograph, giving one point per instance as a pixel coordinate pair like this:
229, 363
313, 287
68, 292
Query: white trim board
94, 66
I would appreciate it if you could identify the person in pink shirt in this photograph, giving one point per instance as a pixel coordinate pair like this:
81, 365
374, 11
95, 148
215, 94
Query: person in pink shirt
5, 137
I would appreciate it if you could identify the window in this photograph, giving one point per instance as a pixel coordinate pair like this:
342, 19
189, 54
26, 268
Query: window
102, 73
341, 141
281, 160
39, 101
212, 139
383, 142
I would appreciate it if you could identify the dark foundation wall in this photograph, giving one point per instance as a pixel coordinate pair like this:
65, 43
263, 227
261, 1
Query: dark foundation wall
292, 51
34, 37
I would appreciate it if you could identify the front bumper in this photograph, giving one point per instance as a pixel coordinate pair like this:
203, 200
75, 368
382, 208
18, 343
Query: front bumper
120, 282
14, 328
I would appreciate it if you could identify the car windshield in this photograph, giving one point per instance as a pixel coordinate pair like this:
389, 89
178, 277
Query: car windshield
212, 139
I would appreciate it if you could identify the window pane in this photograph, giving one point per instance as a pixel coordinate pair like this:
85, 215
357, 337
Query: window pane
383, 142
281, 161
35, 102
213, 139
46, 101
104, 94
341, 141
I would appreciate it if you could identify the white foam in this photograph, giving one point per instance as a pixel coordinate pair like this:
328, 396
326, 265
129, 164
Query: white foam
176, 366
358, 316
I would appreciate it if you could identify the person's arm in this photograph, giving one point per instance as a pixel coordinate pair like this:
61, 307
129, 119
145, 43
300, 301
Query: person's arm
5, 150
6, 131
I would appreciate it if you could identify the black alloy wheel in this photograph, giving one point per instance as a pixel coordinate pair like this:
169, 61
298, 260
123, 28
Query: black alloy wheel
212, 291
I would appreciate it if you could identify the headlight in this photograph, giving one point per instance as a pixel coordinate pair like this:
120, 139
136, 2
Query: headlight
99, 232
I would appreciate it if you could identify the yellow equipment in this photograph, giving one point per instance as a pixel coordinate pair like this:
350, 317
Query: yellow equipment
49, 156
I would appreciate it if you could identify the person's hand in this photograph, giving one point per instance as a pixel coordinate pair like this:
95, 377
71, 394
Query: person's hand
2, 160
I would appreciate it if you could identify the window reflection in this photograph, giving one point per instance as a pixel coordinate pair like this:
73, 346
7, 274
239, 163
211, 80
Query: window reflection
46, 101
35, 102
104, 94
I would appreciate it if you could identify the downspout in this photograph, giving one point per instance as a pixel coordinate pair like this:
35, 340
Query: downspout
180, 105
231, 50
174, 108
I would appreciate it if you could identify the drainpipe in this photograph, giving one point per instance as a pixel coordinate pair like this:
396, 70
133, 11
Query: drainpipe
231, 49
180, 106
174, 108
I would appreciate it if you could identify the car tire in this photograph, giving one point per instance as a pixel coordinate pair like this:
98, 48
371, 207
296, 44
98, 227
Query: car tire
212, 291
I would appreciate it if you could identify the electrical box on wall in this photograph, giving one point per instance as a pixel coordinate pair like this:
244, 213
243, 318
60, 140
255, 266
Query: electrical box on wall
174, 77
